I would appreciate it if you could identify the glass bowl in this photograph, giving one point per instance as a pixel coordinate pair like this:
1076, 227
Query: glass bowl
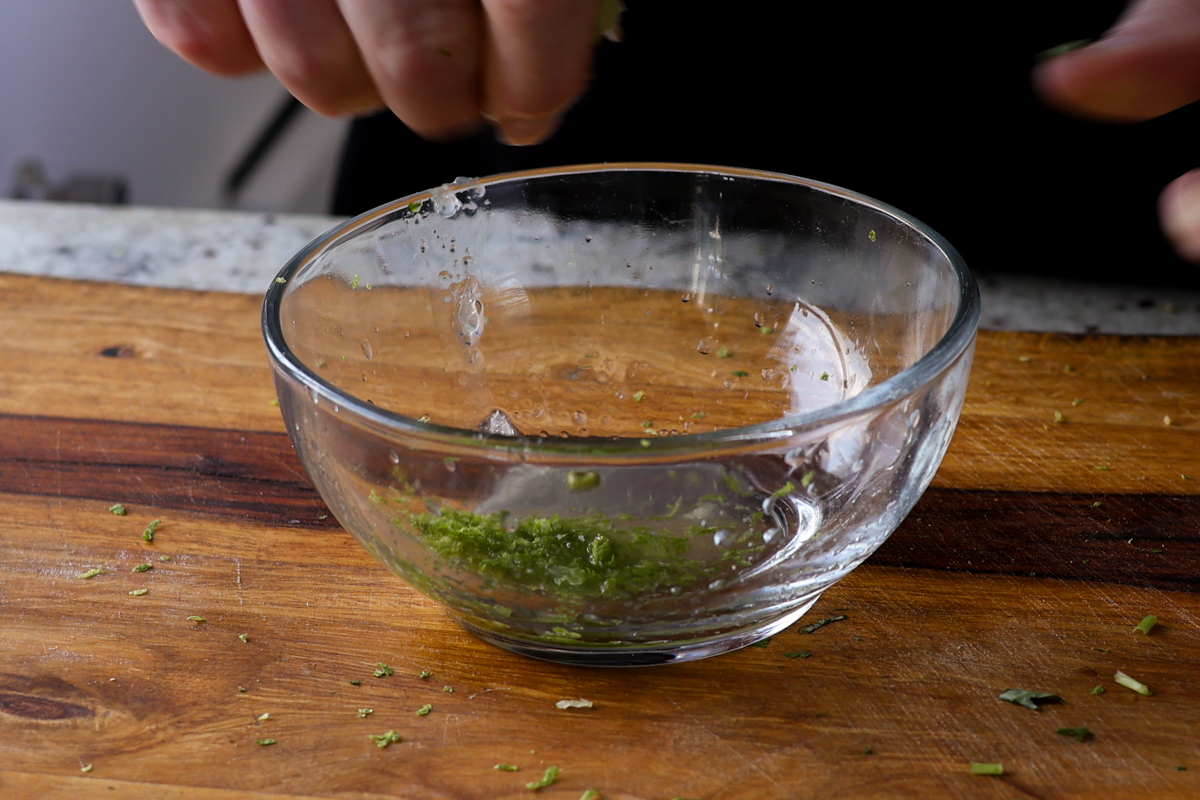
623, 414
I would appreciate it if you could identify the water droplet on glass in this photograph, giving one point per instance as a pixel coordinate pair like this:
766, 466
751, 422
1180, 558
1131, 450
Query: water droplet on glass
675, 590
723, 537
719, 583
498, 424
366, 348
769, 535
580, 419
758, 319
770, 289
446, 202
687, 298
393, 456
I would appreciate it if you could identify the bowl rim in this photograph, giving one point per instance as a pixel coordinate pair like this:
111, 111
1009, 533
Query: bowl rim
958, 337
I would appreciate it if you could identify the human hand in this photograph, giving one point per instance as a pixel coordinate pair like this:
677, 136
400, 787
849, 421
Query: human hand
443, 66
1147, 64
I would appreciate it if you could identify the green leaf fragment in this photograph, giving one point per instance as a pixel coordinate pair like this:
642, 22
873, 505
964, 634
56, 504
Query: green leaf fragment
808, 478
872, 235
798, 654
638, 396
164, 558
1079, 733
91, 573
783, 491
414, 206
244, 637
196, 618
1027, 698
424, 674
117, 509
139, 592
363, 713
1132, 683
579, 481
148, 534
241, 688
264, 742
506, 767
762, 642
143, 568
723, 352
424, 710
1147, 624
1097, 689
812, 627
590, 794
824, 376
739, 373
978, 768
356, 683
447, 688
382, 740
548, 778
382, 670
354, 283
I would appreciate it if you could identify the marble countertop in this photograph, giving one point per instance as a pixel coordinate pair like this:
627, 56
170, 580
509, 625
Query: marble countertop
229, 251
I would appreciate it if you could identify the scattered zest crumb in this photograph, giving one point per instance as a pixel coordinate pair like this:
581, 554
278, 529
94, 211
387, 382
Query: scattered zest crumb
88, 768
798, 654
872, 235
578, 481
1104, 468
196, 618
639, 396
363, 713
1079, 733
117, 509
447, 688
424, 674
264, 742
506, 767
164, 558
139, 592
548, 778
808, 478
986, 769
1132, 683
723, 352
739, 373
1058, 417
264, 716
91, 573
1097, 689
824, 376
143, 568
148, 534
241, 688
813, 626
244, 637
1027, 698
356, 683
382, 670
275, 403
1181, 769
580, 703
590, 794
382, 740
424, 710
1147, 624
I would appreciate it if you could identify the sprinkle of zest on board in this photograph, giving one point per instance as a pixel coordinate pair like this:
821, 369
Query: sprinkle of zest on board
506, 767
978, 768
382, 740
424, 710
148, 534
580, 703
118, 509
812, 627
1132, 683
264, 742
91, 573
1079, 733
139, 592
382, 670
1027, 698
548, 778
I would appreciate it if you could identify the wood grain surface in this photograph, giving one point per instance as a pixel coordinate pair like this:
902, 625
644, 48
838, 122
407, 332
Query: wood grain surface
1039, 547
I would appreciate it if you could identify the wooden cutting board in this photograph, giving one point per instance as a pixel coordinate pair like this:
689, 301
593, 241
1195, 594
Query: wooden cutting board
1040, 546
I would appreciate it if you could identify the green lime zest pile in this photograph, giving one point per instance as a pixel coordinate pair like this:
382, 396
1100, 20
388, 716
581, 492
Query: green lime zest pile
578, 556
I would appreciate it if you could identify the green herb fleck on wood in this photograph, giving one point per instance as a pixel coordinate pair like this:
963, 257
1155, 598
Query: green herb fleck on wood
264, 742
382, 670
978, 768
548, 778
798, 654
197, 619
143, 568
148, 534
1097, 689
723, 352
363, 713
382, 740
1027, 698
639, 396
424, 710
117, 509
139, 592
506, 767
1147, 624
91, 573
244, 638
812, 627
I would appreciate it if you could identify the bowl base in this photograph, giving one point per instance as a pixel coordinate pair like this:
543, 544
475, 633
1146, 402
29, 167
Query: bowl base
671, 653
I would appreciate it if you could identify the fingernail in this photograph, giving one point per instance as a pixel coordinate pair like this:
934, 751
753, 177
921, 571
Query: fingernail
1179, 215
523, 131
1062, 50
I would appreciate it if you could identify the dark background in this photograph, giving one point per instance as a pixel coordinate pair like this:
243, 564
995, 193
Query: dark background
927, 108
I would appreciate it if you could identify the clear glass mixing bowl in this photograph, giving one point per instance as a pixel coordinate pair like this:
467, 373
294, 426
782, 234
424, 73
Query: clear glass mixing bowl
623, 414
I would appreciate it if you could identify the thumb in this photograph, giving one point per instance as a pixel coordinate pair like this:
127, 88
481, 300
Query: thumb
1147, 64
1179, 214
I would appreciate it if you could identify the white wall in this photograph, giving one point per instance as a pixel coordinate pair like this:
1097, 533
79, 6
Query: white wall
85, 88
